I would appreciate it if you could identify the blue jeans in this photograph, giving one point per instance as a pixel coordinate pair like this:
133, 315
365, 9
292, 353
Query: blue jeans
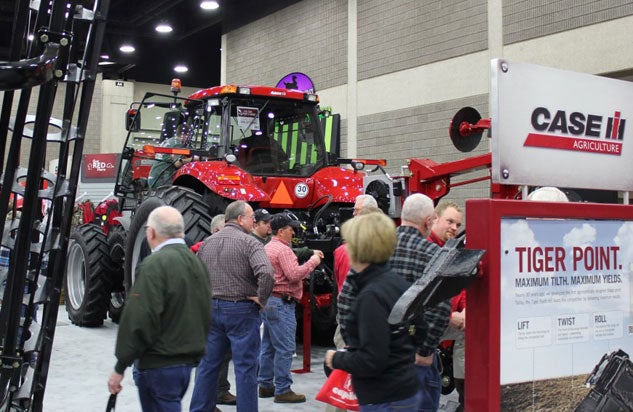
404, 405
234, 325
278, 345
162, 389
430, 386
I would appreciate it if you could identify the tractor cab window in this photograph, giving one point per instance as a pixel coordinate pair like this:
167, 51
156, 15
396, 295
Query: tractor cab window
276, 137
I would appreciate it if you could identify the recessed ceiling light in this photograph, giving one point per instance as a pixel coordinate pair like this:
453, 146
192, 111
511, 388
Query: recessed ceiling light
127, 48
104, 56
106, 63
181, 68
209, 5
163, 28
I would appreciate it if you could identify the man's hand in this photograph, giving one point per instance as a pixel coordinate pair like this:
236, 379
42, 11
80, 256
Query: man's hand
256, 300
329, 355
318, 253
458, 320
114, 383
424, 360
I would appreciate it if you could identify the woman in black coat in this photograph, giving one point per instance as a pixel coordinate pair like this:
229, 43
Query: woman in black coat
379, 356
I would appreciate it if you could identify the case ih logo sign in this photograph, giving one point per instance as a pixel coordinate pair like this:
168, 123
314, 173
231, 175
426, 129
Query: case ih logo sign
591, 133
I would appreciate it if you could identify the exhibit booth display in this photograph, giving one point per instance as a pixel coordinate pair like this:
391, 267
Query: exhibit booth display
550, 317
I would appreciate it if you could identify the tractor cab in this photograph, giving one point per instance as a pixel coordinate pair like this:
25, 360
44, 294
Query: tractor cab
264, 131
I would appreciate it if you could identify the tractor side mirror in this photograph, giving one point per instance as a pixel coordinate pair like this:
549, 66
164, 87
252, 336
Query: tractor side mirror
133, 120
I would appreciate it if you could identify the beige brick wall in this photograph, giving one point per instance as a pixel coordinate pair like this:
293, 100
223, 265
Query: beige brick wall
528, 19
308, 37
400, 34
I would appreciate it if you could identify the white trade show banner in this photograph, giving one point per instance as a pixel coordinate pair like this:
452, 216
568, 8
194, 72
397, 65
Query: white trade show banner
552, 127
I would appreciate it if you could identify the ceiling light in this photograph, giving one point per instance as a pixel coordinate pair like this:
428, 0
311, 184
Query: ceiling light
104, 56
106, 63
181, 68
163, 28
209, 5
127, 48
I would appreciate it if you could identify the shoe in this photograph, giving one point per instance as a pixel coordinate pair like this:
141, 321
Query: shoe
266, 392
227, 399
290, 397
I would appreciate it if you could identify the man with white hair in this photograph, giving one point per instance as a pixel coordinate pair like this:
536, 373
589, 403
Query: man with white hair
163, 306
363, 201
412, 255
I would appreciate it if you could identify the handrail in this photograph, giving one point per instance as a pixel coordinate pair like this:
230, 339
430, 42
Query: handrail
29, 72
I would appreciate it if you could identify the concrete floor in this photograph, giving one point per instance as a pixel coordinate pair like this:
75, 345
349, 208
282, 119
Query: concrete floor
83, 358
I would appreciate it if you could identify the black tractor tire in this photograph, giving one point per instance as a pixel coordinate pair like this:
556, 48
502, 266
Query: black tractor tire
193, 209
116, 255
216, 203
86, 283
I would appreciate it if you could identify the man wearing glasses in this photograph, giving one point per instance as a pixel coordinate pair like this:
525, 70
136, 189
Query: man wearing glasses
241, 282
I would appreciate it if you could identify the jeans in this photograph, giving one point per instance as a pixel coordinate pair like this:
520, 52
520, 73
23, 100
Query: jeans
430, 386
278, 345
234, 325
223, 381
162, 389
404, 405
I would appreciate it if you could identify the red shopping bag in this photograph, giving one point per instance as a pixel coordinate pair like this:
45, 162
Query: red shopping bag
337, 391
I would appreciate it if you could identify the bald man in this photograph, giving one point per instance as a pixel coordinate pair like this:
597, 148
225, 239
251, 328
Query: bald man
163, 305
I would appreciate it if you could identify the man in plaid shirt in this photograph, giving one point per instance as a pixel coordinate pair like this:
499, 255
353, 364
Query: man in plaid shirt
280, 323
413, 253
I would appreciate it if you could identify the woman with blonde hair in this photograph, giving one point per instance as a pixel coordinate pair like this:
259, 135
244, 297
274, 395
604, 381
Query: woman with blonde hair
379, 356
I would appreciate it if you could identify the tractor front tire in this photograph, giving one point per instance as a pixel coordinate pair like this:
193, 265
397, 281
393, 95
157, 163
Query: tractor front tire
189, 203
116, 255
86, 284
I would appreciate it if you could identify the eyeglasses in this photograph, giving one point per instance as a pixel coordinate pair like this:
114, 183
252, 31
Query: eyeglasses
249, 217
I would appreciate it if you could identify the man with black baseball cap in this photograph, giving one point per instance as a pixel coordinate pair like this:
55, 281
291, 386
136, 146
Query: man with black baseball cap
280, 323
261, 229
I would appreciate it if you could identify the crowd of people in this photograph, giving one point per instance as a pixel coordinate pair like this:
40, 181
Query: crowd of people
235, 301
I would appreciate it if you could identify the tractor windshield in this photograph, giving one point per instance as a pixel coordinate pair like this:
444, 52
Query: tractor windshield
275, 136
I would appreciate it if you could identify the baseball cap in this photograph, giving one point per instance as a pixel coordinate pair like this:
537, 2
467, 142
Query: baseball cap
281, 220
262, 214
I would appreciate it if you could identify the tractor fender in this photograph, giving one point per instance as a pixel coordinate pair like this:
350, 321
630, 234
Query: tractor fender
124, 221
225, 179
343, 184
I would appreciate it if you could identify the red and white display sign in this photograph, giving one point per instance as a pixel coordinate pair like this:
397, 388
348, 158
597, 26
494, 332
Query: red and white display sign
565, 296
99, 167
557, 128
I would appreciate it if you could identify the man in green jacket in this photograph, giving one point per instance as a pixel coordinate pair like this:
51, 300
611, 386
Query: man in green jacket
164, 325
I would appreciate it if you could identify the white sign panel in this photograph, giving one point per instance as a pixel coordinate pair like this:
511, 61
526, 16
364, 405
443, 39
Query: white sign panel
557, 128
247, 118
566, 299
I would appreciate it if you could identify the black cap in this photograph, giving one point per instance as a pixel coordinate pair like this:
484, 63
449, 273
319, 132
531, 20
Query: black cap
262, 214
281, 220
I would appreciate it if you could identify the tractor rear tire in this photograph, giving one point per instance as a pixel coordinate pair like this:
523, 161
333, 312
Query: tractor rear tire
193, 209
86, 278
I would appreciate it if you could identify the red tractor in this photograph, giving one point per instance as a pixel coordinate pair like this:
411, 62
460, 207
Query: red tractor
271, 147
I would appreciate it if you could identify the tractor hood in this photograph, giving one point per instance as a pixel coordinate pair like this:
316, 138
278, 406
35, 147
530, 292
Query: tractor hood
343, 185
232, 182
